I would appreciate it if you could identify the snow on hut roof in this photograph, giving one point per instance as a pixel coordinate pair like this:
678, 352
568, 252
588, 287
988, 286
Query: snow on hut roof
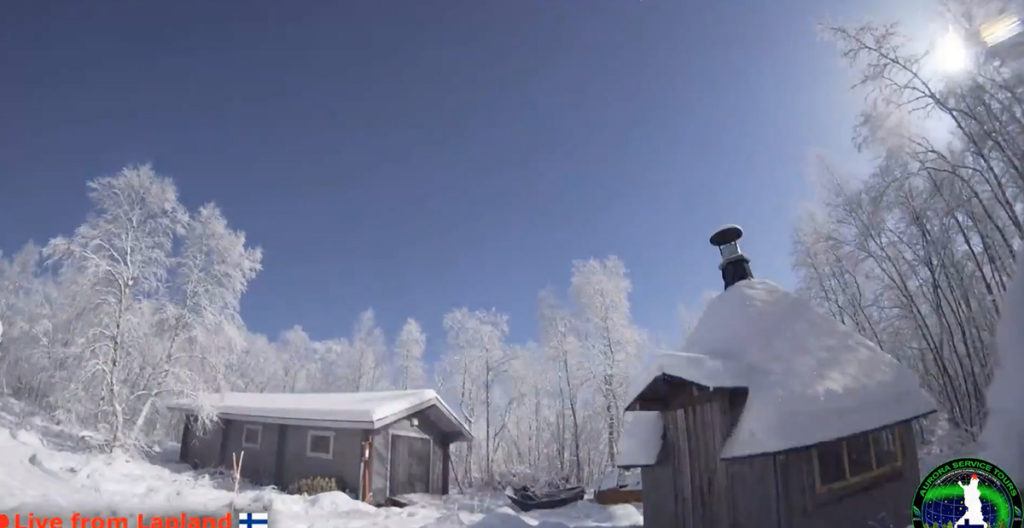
810, 379
643, 443
356, 410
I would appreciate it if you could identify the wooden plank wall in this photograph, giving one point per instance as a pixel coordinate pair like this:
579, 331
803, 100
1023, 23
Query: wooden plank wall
752, 492
890, 495
697, 479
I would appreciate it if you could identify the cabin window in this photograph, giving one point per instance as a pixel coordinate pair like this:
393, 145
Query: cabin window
320, 444
831, 462
251, 436
855, 458
885, 447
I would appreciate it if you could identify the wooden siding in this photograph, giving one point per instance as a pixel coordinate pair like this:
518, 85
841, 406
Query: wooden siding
258, 465
883, 498
689, 484
753, 493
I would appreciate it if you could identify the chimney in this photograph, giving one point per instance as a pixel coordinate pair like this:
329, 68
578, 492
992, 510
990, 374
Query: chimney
735, 266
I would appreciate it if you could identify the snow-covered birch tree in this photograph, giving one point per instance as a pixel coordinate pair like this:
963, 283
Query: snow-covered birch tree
475, 357
600, 290
120, 255
917, 253
211, 274
368, 354
410, 344
562, 350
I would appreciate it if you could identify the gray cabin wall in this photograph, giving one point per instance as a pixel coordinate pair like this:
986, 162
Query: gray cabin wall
281, 458
259, 463
889, 495
201, 449
343, 465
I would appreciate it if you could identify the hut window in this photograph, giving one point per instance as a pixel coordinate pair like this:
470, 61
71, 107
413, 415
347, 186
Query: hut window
855, 458
884, 445
858, 455
251, 436
320, 444
831, 462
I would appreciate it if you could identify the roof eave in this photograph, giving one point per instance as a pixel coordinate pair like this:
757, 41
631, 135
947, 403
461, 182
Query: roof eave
464, 434
806, 446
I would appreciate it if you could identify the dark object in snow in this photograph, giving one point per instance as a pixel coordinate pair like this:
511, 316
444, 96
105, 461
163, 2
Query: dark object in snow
526, 498
735, 266
395, 502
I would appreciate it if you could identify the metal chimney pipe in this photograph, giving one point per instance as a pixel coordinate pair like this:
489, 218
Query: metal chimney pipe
735, 266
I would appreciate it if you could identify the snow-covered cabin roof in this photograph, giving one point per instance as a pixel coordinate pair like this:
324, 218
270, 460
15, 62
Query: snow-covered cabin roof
643, 443
349, 410
810, 379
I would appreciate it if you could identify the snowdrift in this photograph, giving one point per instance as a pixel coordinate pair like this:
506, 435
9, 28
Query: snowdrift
1002, 441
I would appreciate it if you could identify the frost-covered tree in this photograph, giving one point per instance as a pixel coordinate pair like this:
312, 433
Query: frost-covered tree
210, 276
917, 253
600, 290
563, 353
121, 255
409, 347
368, 354
297, 352
474, 360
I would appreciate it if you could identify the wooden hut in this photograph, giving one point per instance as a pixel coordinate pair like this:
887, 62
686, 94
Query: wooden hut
778, 416
374, 445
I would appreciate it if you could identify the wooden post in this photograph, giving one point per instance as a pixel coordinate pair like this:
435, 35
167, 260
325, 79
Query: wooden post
366, 477
446, 463
236, 473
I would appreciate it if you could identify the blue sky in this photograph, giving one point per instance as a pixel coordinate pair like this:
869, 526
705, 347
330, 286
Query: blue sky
418, 156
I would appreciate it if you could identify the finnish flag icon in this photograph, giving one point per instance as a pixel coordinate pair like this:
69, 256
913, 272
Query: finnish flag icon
253, 520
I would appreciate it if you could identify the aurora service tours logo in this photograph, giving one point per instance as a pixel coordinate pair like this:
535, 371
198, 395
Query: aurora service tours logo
967, 493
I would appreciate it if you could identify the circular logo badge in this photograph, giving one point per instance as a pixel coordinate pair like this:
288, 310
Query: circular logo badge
967, 493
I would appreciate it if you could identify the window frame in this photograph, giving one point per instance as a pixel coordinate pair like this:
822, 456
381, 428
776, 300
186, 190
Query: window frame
862, 477
309, 444
259, 435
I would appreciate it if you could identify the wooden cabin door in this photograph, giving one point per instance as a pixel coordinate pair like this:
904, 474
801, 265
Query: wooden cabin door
410, 465
699, 432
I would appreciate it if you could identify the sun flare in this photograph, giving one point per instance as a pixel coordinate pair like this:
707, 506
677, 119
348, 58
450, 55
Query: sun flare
950, 53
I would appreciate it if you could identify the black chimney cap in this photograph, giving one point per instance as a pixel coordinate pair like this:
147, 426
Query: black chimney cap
726, 235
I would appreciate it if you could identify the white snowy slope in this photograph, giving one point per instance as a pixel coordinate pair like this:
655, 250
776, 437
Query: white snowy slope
1002, 441
810, 379
45, 470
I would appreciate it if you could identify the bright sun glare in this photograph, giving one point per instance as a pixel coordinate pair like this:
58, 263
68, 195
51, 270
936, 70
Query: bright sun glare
950, 53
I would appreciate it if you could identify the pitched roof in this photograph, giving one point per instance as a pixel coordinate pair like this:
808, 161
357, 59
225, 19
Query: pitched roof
352, 410
810, 379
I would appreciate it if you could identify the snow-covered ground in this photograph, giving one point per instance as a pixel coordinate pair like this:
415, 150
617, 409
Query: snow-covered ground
46, 470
